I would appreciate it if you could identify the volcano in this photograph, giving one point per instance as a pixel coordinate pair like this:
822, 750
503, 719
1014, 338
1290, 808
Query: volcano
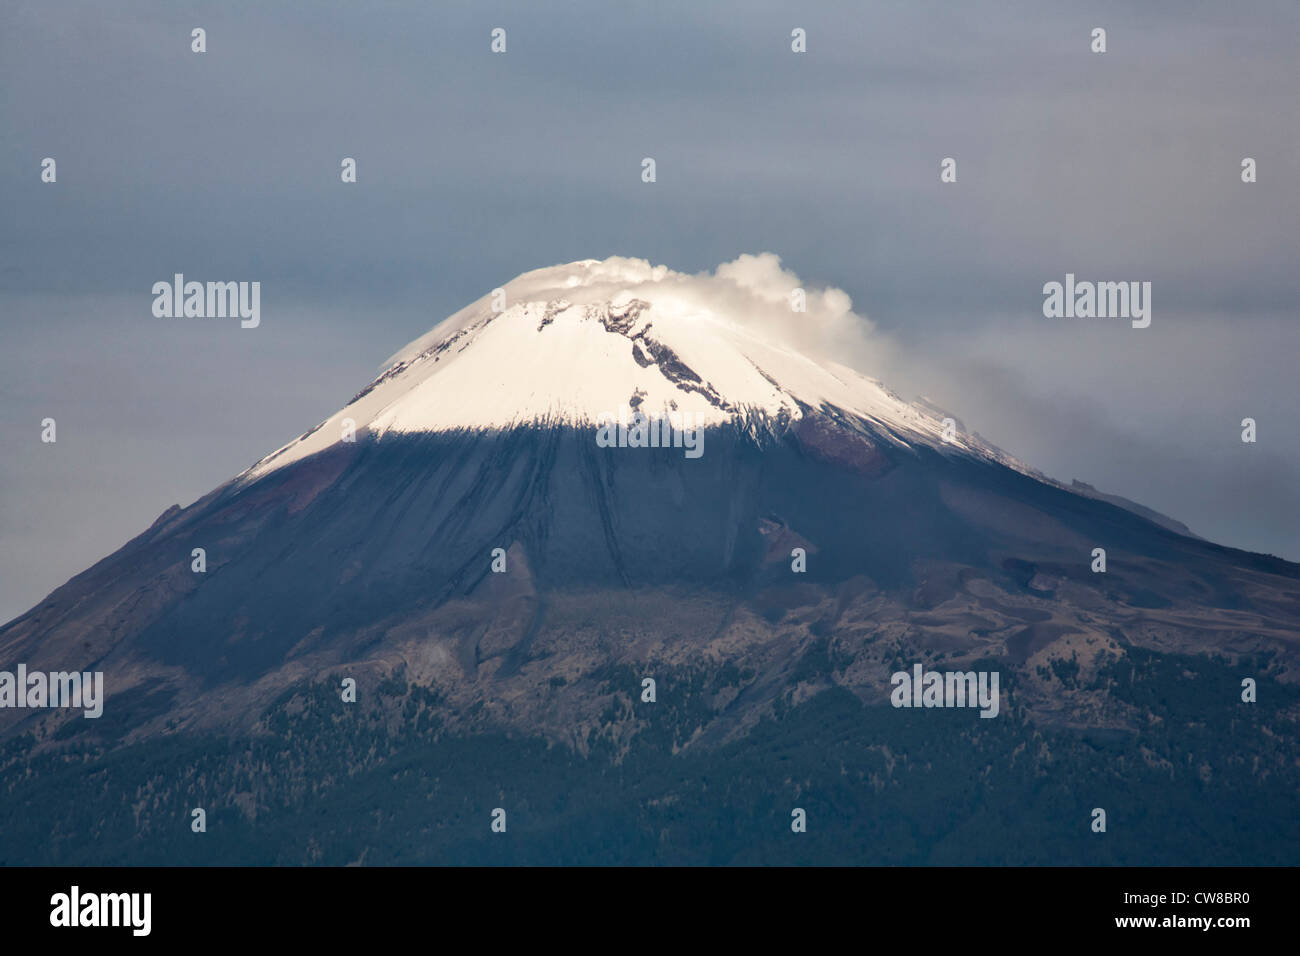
524, 611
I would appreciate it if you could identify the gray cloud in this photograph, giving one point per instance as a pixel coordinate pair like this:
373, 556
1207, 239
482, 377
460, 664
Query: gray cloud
475, 168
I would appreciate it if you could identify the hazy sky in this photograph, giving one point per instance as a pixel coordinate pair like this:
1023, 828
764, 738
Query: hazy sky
474, 167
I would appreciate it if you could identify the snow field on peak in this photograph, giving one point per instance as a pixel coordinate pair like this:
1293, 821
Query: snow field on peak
590, 339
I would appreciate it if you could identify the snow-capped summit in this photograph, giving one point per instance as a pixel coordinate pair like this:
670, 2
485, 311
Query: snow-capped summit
572, 343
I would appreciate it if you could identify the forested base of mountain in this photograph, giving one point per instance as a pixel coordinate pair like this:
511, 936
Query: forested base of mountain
1205, 780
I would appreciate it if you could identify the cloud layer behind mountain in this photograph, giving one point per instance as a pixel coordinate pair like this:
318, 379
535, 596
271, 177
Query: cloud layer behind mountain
475, 167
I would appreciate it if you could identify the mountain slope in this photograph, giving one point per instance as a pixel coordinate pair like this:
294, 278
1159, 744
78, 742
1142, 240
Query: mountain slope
373, 559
